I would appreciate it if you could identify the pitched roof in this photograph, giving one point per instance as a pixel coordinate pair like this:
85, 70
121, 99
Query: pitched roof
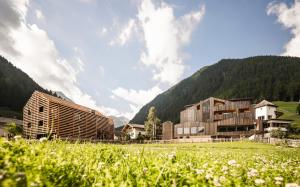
68, 103
265, 103
139, 126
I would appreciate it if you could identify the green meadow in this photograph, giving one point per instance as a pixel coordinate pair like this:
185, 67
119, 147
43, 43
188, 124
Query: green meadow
59, 163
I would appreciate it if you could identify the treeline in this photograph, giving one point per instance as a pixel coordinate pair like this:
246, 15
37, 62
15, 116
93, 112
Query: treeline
15, 89
260, 77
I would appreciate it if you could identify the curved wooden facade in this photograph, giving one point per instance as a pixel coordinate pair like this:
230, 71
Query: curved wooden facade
44, 114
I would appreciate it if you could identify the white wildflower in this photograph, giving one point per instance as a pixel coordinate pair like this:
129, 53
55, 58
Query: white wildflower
205, 165
216, 182
279, 178
232, 162
145, 170
208, 176
172, 156
189, 164
43, 139
252, 173
18, 137
100, 165
222, 179
199, 171
278, 182
292, 185
259, 181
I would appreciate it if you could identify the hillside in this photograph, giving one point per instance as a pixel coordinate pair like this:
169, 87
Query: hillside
15, 89
289, 111
260, 77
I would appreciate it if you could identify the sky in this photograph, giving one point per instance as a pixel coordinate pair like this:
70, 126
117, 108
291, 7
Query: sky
117, 55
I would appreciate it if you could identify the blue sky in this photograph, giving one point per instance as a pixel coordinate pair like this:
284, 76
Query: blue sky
116, 55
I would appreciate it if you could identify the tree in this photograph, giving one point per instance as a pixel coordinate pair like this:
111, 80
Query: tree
152, 123
13, 129
278, 133
298, 109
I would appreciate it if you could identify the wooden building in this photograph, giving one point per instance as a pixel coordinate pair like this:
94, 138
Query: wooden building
217, 118
44, 114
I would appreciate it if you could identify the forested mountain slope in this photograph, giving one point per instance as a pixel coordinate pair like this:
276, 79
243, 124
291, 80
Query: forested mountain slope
260, 77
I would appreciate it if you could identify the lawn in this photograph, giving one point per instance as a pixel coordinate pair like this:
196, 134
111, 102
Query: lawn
58, 163
289, 111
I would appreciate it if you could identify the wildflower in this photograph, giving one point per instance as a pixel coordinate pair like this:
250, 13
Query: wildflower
216, 182
232, 162
43, 139
252, 173
172, 156
278, 178
208, 176
292, 185
205, 165
278, 182
189, 164
100, 165
145, 170
18, 137
222, 178
199, 171
259, 181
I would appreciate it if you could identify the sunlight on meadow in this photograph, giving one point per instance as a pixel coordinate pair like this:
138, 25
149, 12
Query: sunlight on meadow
58, 163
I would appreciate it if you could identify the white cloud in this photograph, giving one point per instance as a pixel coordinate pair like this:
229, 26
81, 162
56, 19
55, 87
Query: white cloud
126, 33
39, 14
38, 57
164, 37
289, 17
87, 1
101, 69
137, 97
103, 32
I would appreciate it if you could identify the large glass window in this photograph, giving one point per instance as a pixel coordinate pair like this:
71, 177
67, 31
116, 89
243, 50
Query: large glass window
179, 130
186, 130
193, 130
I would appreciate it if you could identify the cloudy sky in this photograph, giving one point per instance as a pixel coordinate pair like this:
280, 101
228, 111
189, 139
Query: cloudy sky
117, 55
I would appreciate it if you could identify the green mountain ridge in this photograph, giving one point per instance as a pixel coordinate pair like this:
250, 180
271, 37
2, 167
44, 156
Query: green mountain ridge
259, 77
16, 88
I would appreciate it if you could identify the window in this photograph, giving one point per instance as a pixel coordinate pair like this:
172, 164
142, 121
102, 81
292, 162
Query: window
269, 116
193, 130
41, 123
186, 130
29, 112
41, 109
28, 125
179, 130
198, 107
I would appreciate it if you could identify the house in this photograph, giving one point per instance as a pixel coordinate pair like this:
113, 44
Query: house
44, 114
3, 124
216, 118
266, 116
133, 130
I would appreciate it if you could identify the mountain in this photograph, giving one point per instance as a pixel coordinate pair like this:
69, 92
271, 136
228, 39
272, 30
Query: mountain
261, 77
119, 121
15, 89
63, 96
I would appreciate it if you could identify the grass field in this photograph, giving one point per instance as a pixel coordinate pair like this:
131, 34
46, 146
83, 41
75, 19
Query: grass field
289, 111
57, 163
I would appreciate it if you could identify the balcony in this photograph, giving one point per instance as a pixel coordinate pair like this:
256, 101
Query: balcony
269, 129
232, 106
236, 133
233, 115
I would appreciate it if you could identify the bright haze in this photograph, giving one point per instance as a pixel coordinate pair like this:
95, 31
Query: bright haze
117, 55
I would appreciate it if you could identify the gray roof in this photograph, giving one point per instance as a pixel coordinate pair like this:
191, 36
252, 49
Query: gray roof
265, 103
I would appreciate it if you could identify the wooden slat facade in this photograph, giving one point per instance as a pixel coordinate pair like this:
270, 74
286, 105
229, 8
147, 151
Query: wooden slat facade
64, 119
209, 114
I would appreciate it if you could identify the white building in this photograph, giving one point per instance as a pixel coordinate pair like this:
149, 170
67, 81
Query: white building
266, 118
133, 130
265, 110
